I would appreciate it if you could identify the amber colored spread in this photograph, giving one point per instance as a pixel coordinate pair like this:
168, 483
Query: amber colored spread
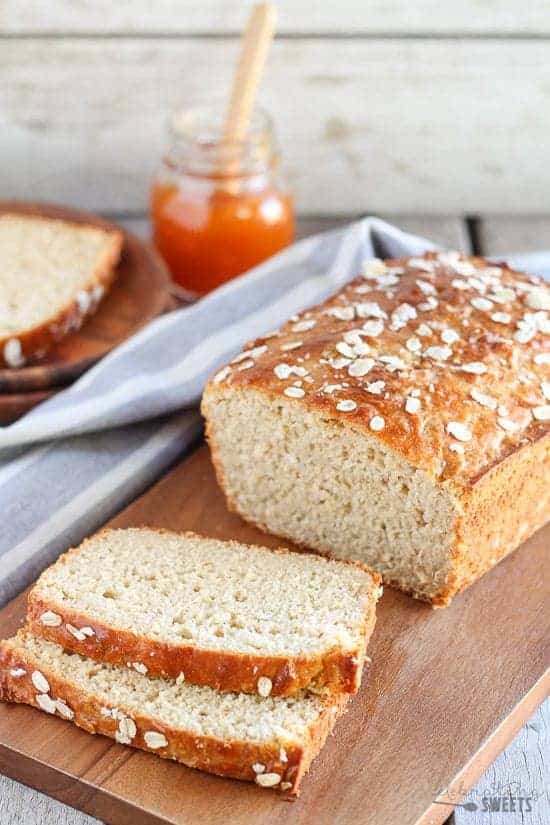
206, 240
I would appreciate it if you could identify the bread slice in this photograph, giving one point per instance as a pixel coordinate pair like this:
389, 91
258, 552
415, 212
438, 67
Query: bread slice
405, 422
53, 274
223, 614
271, 741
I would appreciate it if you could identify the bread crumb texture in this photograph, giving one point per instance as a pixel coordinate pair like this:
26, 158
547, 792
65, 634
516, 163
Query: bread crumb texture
210, 594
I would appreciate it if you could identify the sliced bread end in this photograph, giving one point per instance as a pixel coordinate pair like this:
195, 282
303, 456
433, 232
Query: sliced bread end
37, 321
81, 603
137, 711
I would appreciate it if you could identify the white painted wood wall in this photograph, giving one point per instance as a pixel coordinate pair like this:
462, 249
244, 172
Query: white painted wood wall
416, 107
429, 106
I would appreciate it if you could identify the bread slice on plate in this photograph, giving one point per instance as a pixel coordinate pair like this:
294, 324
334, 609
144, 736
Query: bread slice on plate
271, 741
217, 613
53, 274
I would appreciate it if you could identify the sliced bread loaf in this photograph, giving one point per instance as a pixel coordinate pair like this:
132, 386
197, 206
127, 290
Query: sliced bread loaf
404, 422
222, 614
271, 741
53, 274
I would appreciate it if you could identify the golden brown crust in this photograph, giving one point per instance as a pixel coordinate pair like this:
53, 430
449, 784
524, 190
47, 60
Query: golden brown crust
501, 399
511, 383
36, 342
224, 758
498, 513
336, 671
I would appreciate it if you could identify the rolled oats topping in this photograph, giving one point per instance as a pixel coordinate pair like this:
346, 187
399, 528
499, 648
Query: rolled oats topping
474, 367
222, 375
459, 431
542, 413
50, 619
127, 730
507, 424
74, 631
370, 309
268, 780
373, 267
412, 405
449, 336
265, 686
483, 304
483, 399
63, 709
40, 682
46, 703
437, 338
346, 405
377, 423
294, 392
360, 367
413, 344
501, 317
373, 329
155, 740
304, 326
438, 353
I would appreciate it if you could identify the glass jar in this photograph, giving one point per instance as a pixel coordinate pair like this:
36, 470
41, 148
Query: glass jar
218, 206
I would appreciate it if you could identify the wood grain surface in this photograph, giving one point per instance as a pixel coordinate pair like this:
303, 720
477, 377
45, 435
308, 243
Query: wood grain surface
376, 124
446, 691
347, 17
140, 292
14, 405
508, 779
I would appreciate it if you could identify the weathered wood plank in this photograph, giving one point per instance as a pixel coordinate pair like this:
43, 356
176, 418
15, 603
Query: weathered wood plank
511, 233
225, 16
521, 770
370, 126
19, 804
447, 231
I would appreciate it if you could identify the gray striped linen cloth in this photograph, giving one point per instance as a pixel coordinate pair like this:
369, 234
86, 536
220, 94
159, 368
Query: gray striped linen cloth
70, 464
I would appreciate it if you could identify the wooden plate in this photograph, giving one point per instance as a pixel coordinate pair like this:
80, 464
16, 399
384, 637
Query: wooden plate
446, 691
13, 406
139, 293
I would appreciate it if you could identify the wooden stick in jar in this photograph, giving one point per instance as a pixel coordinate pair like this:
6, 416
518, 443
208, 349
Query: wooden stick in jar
254, 47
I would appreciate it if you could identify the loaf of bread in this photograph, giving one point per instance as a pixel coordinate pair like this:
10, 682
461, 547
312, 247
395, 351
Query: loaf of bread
222, 614
271, 741
405, 422
53, 274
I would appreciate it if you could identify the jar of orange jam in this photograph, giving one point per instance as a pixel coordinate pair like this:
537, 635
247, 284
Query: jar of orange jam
218, 206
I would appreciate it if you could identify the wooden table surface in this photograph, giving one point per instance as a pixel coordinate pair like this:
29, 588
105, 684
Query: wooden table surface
525, 764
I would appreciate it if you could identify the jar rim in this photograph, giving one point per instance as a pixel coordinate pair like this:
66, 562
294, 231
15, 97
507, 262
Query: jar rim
204, 124
199, 147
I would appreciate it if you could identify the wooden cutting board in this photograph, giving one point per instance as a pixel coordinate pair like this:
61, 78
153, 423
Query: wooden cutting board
13, 406
446, 691
140, 292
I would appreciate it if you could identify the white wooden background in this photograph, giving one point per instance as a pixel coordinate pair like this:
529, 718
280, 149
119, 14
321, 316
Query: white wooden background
434, 113
429, 106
